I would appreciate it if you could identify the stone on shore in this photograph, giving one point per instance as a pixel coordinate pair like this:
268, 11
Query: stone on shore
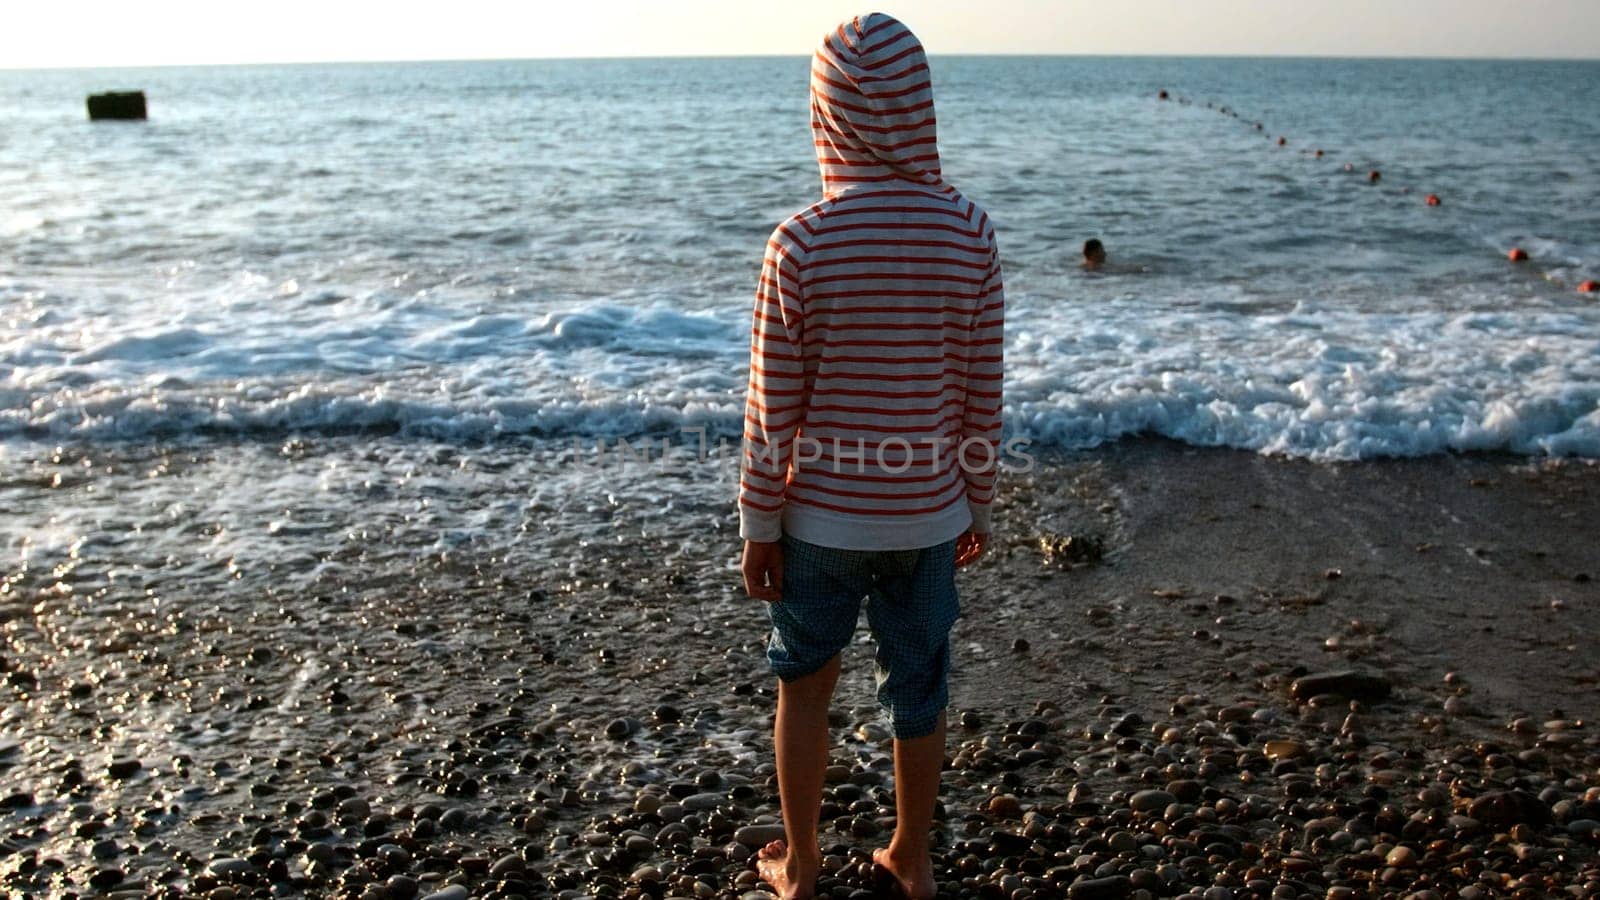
1283, 749
120, 769
506, 866
229, 866
1503, 809
1347, 683
759, 835
1151, 801
1106, 888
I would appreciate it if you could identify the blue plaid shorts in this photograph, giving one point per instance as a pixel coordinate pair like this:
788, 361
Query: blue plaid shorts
911, 606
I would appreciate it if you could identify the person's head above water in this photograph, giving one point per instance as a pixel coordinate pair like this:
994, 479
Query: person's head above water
1094, 254
872, 106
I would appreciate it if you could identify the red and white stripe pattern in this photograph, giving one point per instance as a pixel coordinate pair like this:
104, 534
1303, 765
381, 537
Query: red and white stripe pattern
876, 347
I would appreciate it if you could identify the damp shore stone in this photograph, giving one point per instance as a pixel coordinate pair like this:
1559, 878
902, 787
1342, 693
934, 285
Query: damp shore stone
1351, 684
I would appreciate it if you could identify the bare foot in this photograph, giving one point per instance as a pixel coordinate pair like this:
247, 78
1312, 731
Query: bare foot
913, 877
791, 877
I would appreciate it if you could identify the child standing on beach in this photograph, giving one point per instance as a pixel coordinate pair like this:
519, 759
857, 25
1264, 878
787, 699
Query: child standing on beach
871, 434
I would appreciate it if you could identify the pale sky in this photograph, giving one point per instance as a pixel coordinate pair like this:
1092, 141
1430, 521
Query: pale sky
35, 33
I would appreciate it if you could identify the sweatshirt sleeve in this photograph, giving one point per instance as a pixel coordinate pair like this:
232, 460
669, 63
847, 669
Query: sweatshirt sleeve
980, 423
774, 399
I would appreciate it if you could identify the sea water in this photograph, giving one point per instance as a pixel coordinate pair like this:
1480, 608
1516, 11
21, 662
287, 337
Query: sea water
471, 252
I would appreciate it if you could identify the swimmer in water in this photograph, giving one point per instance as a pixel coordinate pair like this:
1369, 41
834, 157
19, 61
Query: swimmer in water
1094, 254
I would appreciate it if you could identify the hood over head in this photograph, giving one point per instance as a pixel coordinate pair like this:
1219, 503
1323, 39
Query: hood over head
872, 106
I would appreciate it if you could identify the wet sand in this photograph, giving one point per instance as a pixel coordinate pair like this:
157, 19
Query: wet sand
373, 668
1475, 565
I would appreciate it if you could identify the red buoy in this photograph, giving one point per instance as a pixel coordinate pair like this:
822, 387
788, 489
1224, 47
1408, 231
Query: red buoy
1589, 287
1282, 141
1319, 154
1374, 176
1517, 254
1433, 200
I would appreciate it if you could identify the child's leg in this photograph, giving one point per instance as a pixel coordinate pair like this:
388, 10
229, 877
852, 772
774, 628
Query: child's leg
911, 613
800, 735
822, 591
917, 764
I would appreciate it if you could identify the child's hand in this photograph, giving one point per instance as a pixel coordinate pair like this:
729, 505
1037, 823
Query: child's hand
762, 567
970, 546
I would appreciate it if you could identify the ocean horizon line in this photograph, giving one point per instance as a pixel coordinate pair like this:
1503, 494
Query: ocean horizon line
1276, 57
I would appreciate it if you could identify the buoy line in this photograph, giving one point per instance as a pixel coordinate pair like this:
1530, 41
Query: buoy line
1375, 176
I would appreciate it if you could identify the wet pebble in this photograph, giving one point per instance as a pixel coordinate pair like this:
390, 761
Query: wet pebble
1401, 857
1108, 888
1283, 749
1004, 806
322, 852
758, 836
121, 769
1122, 842
622, 728
508, 865
229, 867
702, 802
1151, 800
1348, 683
1508, 808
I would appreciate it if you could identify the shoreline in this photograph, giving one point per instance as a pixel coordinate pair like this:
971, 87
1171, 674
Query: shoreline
351, 664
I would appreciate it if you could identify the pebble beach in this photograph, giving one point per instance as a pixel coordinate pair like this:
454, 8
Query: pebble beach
356, 543
395, 670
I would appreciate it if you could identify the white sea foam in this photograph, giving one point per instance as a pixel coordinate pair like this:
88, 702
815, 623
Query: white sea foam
1310, 382
18, 223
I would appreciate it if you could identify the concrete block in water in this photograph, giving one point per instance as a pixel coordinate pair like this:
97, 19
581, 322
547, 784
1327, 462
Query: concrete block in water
117, 105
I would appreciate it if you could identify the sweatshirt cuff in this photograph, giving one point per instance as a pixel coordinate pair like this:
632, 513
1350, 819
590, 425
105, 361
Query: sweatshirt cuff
759, 525
980, 516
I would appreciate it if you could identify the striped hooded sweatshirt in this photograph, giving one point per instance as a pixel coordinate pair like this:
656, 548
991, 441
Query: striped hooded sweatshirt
872, 418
